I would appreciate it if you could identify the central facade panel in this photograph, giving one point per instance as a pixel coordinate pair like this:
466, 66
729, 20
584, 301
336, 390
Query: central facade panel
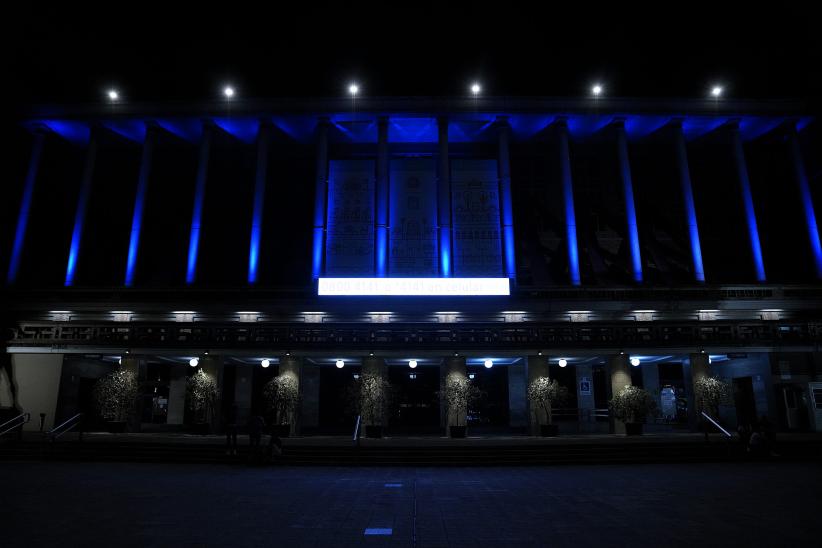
350, 236
413, 240
476, 222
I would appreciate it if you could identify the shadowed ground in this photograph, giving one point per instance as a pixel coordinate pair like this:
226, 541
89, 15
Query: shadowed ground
118, 504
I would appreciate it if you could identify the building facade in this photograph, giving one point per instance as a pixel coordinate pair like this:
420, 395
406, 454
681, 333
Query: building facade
598, 242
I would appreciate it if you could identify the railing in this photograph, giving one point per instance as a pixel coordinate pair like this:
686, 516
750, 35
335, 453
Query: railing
16, 422
719, 426
67, 426
356, 438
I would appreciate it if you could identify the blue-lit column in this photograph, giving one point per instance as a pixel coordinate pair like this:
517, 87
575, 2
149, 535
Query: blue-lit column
263, 138
506, 207
444, 199
381, 220
320, 198
25, 203
199, 200
747, 202
688, 200
568, 201
807, 200
139, 205
630, 208
82, 205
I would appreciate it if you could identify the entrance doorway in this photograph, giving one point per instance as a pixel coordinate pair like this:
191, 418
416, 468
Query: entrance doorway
415, 409
744, 400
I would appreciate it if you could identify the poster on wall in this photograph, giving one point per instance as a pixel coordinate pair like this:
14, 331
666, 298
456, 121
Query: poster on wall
475, 212
413, 236
349, 248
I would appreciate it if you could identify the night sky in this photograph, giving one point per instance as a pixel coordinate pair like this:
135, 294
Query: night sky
67, 55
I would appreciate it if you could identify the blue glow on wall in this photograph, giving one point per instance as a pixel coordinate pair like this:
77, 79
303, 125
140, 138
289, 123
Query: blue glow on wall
197, 212
78, 133
568, 202
80, 213
630, 208
445, 253
747, 201
690, 208
244, 129
412, 130
133, 130
139, 206
807, 202
259, 204
184, 128
25, 205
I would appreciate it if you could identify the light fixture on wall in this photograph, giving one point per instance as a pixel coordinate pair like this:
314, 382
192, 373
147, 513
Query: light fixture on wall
340, 364
194, 362
562, 362
412, 364
265, 363
489, 364
635, 361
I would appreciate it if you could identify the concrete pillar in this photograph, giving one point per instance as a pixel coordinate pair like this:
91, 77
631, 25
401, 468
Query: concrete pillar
292, 366
537, 367
375, 366
451, 366
199, 200
568, 201
518, 396
747, 202
263, 139
382, 191
243, 390
628, 195
310, 402
25, 203
177, 393
585, 397
132, 364
444, 199
82, 206
139, 205
807, 199
320, 198
688, 200
620, 371
699, 369
213, 366
506, 206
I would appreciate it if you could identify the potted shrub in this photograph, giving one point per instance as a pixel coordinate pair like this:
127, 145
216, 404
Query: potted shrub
544, 393
632, 405
201, 389
459, 393
114, 396
710, 393
283, 394
370, 396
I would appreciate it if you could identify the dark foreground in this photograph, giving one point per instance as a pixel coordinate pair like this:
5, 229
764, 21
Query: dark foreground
115, 504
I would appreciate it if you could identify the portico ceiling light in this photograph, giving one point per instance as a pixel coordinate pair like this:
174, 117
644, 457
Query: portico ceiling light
340, 364
265, 363
489, 364
412, 363
635, 362
194, 362
562, 362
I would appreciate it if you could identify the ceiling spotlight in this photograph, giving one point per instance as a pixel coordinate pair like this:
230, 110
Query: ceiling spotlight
412, 363
288, 353
456, 354
370, 353
340, 364
194, 362
353, 89
475, 88
489, 364
716, 91
562, 362
539, 353
265, 363
112, 95
596, 90
471, 376
228, 91
635, 362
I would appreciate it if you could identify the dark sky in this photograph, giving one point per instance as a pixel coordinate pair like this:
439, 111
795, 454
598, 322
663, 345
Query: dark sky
674, 49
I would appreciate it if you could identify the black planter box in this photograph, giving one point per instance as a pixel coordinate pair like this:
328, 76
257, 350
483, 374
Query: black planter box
548, 430
457, 431
633, 428
373, 431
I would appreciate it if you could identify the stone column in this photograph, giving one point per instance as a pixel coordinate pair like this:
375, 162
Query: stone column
585, 400
807, 199
243, 389
375, 366
25, 203
568, 201
509, 263
630, 208
748, 203
292, 366
620, 371
320, 197
131, 363
688, 200
139, 205
213, 366
451, 367
518, 396
650, 381
382, 191
177, 393
199, 200
537, 367
310, 401
699, 369
263, 139
82, 205
444, 199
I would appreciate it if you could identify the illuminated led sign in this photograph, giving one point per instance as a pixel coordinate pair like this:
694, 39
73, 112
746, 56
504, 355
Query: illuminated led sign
414, 286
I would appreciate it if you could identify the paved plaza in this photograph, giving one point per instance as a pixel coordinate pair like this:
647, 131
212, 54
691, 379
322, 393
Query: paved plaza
86, 504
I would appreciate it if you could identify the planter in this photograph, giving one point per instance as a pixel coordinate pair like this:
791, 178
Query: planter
201, 428
633, 428
283, 430
116, 427
373, 431
548, 430
457, 431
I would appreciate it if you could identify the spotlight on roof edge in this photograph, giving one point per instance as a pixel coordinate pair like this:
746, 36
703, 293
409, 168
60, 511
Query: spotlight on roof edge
476, 88
716, 91
228, 91
112, 94
596, 90
353, 89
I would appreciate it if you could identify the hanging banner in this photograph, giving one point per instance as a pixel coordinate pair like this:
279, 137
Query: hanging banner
476, 218
413, 237
349, 247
